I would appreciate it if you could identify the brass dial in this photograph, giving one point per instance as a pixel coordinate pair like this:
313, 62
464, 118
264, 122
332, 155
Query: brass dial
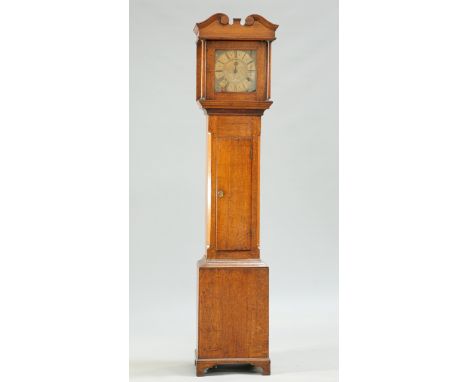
236, 71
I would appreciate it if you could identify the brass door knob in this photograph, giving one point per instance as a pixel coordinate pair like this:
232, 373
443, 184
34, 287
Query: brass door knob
220, 193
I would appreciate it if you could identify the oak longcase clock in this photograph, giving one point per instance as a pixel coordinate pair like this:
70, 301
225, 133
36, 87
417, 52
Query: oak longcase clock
233, 87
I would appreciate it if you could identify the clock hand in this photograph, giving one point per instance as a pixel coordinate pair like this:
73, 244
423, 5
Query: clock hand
235, 66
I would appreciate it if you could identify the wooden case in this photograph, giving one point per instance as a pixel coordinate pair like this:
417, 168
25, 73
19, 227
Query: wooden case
232, 280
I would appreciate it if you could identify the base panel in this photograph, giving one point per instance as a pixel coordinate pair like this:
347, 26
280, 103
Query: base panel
232, 315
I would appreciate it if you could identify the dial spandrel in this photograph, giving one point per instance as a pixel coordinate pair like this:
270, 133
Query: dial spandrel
236, 71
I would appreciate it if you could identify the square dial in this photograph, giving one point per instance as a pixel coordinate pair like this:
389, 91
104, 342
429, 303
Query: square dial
235, 71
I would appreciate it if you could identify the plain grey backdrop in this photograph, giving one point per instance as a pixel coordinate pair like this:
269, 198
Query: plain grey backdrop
299, 188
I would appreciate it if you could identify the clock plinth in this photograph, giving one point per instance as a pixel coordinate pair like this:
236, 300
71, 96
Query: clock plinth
233, 87
232, 314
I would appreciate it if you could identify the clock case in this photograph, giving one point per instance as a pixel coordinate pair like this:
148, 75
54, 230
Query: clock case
233, 281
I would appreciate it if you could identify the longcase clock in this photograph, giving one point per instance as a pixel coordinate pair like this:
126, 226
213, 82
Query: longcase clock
233, 87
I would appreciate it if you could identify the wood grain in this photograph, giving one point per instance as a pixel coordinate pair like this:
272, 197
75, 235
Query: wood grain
232, 312
233, 167
233, 193
217, 26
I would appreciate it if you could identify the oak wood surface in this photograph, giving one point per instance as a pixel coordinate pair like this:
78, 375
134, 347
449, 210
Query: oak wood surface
233, 193
233, 186
223, 107
232, 314
217, 26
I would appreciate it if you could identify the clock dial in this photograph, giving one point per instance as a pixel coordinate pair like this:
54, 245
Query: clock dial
236, 71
